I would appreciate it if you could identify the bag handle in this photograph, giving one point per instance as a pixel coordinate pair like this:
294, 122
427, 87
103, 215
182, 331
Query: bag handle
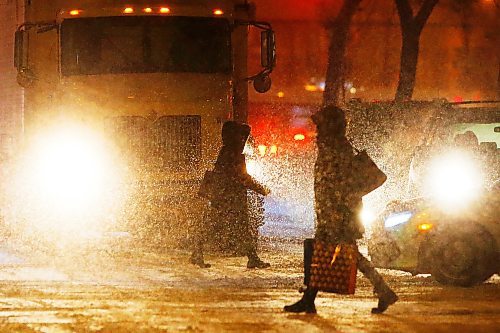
335, 254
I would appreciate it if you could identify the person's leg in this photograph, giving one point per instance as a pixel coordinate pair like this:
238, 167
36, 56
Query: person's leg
305, 304
253, 259
249, 247
239, 237
308, 257
386, 296
197, 257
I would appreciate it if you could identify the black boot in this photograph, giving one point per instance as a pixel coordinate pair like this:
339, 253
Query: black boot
386, 298
197, 259
306, 303
256, 262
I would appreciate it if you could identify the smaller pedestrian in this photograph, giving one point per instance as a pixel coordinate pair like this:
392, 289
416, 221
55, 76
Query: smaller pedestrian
228, 208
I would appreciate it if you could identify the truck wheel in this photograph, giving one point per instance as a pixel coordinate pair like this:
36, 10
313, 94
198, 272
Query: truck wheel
462, 256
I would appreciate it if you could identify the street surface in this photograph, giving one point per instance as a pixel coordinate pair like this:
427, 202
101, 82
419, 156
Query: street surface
136, 290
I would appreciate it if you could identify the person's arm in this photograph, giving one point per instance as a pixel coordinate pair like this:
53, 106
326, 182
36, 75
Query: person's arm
248, 181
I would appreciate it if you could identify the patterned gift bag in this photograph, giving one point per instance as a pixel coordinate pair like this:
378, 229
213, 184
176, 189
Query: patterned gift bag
333, 267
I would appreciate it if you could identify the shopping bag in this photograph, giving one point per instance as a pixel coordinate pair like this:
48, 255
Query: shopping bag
333, 268
366, 174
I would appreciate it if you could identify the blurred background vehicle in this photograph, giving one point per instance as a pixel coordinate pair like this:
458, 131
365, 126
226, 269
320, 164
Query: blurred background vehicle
284, 152
449, 227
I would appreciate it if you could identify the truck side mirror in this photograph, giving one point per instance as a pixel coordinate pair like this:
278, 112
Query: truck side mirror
262, 83
25, 77
262, 80
267, 49
21, 49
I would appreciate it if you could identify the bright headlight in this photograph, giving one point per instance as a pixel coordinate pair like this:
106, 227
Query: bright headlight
70, 168
397, 218
367, 215
69, 176
454, 179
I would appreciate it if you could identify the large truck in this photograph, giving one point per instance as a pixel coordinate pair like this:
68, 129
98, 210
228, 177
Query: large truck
113, 110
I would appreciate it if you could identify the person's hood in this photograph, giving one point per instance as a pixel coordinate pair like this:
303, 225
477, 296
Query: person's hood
329, 116
235, 134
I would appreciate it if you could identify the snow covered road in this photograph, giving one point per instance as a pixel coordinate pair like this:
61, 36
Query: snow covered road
143, 291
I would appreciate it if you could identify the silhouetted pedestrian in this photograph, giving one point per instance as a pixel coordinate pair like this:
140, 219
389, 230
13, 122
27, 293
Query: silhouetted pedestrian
337, 205
228, 209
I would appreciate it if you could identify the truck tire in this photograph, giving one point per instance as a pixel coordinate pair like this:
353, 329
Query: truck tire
462, 256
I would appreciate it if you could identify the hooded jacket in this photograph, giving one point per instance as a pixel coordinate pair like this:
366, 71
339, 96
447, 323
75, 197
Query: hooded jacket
231, 168
335, 204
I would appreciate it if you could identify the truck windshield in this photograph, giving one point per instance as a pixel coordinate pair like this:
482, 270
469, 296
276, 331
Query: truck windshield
106, 45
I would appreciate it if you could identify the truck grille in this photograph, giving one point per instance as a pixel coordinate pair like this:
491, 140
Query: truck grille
170, 142
179, 141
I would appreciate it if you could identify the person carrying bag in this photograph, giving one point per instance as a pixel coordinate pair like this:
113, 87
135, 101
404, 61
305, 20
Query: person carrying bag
341, 178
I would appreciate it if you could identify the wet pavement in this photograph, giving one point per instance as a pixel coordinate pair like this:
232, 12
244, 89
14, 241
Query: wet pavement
145, 291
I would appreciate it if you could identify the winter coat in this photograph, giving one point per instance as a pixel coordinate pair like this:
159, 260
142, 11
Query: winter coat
230, 168
336, 206
229, 210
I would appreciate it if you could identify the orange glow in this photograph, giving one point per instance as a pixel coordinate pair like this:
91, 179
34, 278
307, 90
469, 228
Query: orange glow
75, 12
164, 10
273, 150
128, 10
425, 226
299, 137
311, 87
280, 94
262, 150
148, 10
218, 11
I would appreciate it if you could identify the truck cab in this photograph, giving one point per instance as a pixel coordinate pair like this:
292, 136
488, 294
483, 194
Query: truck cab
122, 107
